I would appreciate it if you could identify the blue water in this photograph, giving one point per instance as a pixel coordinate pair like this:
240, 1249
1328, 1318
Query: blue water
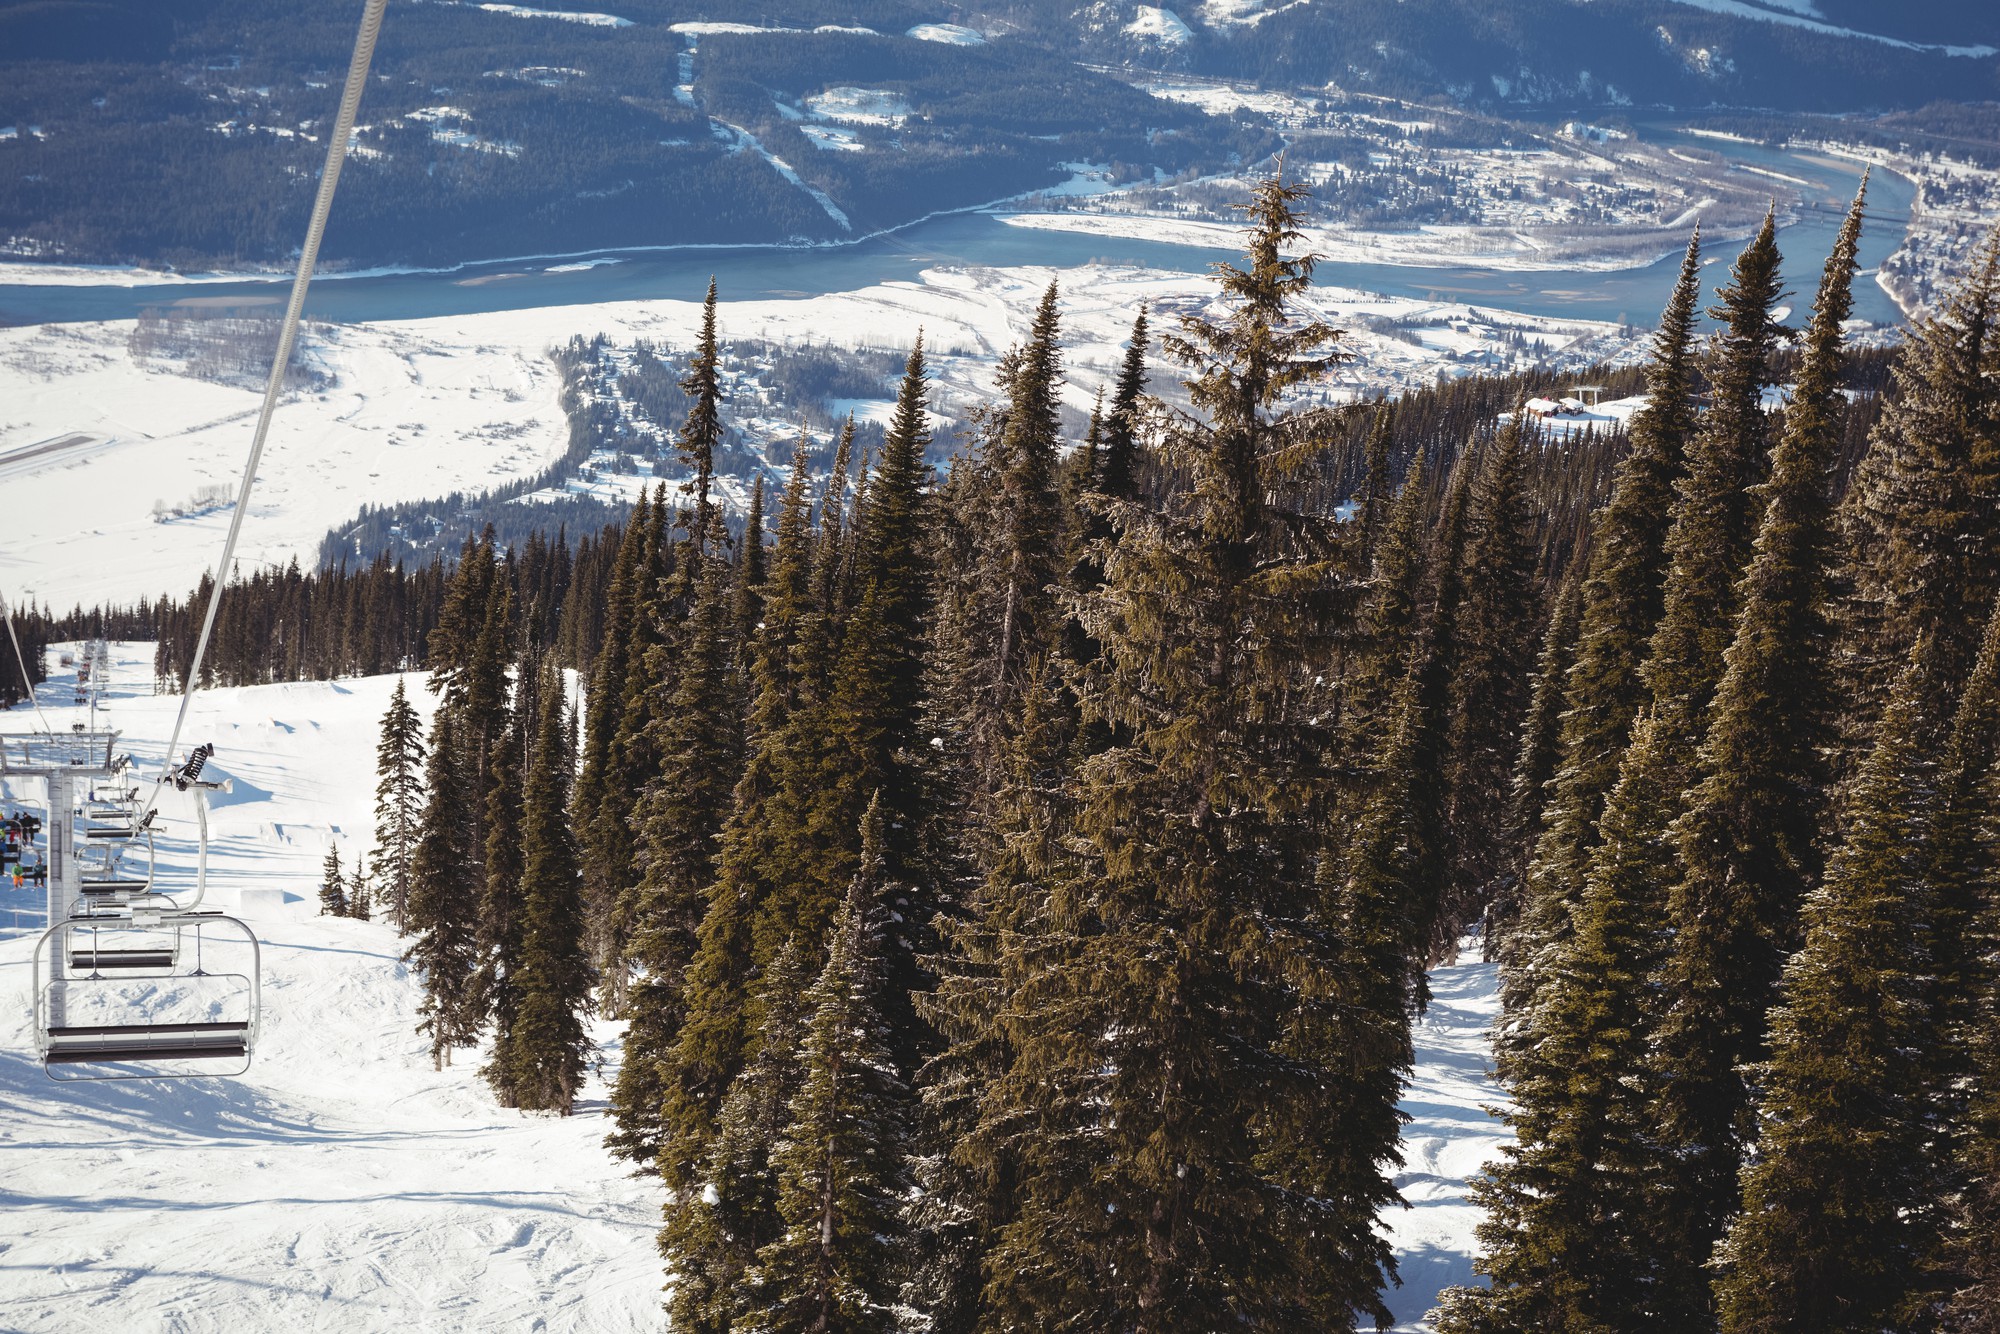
1629, 295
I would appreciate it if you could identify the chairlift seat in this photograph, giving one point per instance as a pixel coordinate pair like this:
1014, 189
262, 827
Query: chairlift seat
101, 960
72, 1045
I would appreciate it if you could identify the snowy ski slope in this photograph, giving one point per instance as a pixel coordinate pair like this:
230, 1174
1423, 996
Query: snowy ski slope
343, 1185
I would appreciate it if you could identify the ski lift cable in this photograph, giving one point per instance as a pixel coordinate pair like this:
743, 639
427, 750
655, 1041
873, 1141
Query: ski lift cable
336, 154
27, 683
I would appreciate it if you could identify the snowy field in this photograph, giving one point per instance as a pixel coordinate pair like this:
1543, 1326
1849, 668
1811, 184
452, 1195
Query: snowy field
343, 1185
92, 438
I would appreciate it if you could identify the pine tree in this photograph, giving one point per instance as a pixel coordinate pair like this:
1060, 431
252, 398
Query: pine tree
840, 1167
444, 896
1920, 532
1371, 507
1749, 840
1622, 601
1001, 939
1837, 1222
399, 796
680, 815
545, 1052
714, 1231
362, 890
1118, 477
604, 701
1962, 941
332, 885
1489, 686
719, 1021
1028, 544
701, 432
1151, 1194
1535, 766
500, 901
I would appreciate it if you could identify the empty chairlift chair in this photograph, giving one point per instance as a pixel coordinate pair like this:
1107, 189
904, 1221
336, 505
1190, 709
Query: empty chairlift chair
193, 1011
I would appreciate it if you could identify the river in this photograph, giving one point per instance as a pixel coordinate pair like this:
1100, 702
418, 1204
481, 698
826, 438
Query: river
981, 239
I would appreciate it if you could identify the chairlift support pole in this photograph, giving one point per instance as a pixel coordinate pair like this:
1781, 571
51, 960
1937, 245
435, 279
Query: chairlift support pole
60, 762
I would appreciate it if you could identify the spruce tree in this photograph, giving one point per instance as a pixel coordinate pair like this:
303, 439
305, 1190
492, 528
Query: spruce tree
444, 896
1118, 476
701, 431
399, 797
1371, 507
1920, 533
716, 1225
361, 890
332, 885
1535, 766
545, 1053
1749, 840
1002, 937
840, 1167
681, 815
1028, 547
604, 701
1602, 692
1151, 1193
1962, 940
500, 901
1837, 1220
719, 1019
1488, 684
1568, 1239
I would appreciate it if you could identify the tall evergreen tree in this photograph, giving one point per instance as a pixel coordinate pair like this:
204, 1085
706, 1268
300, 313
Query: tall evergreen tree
1489, 684
399, 797
681, 815
1749, 840
361, 890
1622, 601
1153, 1195
1118, 476
444, 895
715, 1230
1535, 767
1920, 532
500, 917
1837, 1222
544, 1054
840, 1167
1028, 548
332, 885
1568, 1242
701, 432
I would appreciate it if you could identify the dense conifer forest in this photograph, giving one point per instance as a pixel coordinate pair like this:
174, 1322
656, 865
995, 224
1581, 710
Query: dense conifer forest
1017, 880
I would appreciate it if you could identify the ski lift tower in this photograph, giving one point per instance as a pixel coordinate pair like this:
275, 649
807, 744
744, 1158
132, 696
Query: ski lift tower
61, 763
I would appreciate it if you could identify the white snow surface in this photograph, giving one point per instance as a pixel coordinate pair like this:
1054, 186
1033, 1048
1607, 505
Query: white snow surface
954, 34
1161, 25
1450, 1136
1798, 14
567, 15
342, 1184
91, 437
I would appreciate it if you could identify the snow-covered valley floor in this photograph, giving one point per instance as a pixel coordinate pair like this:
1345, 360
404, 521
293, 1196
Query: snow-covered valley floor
342, 1184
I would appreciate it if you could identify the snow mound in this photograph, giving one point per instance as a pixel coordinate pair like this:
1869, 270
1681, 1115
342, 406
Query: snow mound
951, 33
1159, 25
860, 106
567, 15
